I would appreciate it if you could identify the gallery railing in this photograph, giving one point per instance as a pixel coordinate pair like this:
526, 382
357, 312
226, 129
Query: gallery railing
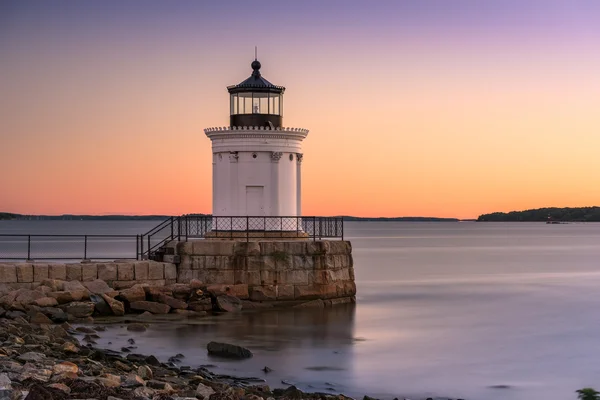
18, 247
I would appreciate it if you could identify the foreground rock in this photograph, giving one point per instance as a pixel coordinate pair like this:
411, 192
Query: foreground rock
228, 350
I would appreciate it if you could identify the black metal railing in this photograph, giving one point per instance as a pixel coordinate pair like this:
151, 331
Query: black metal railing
17, 247
68, 247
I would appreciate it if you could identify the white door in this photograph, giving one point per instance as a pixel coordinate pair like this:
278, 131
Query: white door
254, 201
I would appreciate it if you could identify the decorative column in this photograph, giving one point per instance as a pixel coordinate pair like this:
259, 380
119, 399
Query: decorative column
275, 157
299, 184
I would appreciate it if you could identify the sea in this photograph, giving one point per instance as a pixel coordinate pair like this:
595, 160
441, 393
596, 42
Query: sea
472, 310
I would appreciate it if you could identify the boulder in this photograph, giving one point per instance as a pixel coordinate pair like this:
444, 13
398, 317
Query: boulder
181, 291
100, 305
39, 318
27, 296
6, 390
46, 302
229, 303
97, 287
145, 372
55, 314
228, 350
116, 306
172, 302
65, 367
153, 293
150, 306
80, 309
189, 313
203, 392
55, 285
31, 356
133, 294
200, 305
74, 286
63, 297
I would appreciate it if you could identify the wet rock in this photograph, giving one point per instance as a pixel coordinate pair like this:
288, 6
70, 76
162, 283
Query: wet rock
100, 305
133, 381
65, 367
203, 392
266, 370
46, 302
80, 309
122, 366
15, 314
159, 385
55, 314
85, 329
69, 347
200, 305
228, 350
229, 303
144, 392
60, 386
151, 360
116, 306
131, 341
172, 302
190, 313
97, 287
133, 294
135, 327
145, 372
31, 356
154, 308
39, 318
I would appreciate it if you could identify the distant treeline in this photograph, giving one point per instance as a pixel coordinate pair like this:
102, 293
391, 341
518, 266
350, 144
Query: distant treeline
68, 217
567, 214
408, 219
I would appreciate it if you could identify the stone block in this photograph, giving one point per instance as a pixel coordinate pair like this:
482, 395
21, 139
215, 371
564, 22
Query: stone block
247, 277
302, 262
268, 248
152, 282
295, 247
238, 262
285, 292
89, 272
185, 248
217, 276
24, 273
74, 272
170, 281
315, 291
351, 274
186, 275
216, 262
107, 272
256, 263
170, 271
40, 272
269, 277
240, 291
8, 274
246, 249
263, 293
213, 247
118, 285
293, 277
140, 270
125, 272
156, 270
57, 271
321, 277
198, 262
269, 263
319, 247
338, 247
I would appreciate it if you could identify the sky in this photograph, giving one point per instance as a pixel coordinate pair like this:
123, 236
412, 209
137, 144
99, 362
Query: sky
415, 108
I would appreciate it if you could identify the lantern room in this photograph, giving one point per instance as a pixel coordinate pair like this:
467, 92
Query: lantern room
256, 101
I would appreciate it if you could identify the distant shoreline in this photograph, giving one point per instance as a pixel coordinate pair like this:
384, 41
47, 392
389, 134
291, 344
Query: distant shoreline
550, 214
72, 217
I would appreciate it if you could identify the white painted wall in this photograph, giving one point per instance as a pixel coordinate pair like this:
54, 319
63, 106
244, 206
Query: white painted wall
257, 158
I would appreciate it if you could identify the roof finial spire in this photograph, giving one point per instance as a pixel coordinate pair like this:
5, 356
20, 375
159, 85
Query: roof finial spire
255, 53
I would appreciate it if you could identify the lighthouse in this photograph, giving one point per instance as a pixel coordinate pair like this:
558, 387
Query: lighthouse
256, 161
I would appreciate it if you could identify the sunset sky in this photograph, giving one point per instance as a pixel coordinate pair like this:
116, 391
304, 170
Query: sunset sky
415, 108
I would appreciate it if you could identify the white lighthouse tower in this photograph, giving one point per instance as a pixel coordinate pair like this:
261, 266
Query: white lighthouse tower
256, 161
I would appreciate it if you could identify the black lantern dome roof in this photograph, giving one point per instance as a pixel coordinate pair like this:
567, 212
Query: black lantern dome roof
256, 83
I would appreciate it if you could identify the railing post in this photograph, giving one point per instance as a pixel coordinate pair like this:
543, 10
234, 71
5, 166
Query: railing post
314, 229
172, 228
148, 247
29, 247
342, 221
141, 247
247, 229
85, 247
137, 247
231, 227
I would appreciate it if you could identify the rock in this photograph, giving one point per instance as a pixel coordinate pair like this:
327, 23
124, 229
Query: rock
97, 287
312, 304
39, 318
181, 291
190, 313
26, 296
154, 308
229, 303
196, 284
133, 294
110, 380
172, 302
154, 292
228, 350
46, 302
55, 285
144, 392
85, 329
80, 309
55, 314
73, 286
116, 306
15, 314
159, 385
135, 327
63, 297
100, 305
266, 370
203, 392
122, 366
200, 305
31, 371
60, 386
133, 381
145, 372
151, 360
31, 356
6, 390
69, 347
65, 367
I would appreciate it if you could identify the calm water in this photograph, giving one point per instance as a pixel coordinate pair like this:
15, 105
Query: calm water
446, 309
